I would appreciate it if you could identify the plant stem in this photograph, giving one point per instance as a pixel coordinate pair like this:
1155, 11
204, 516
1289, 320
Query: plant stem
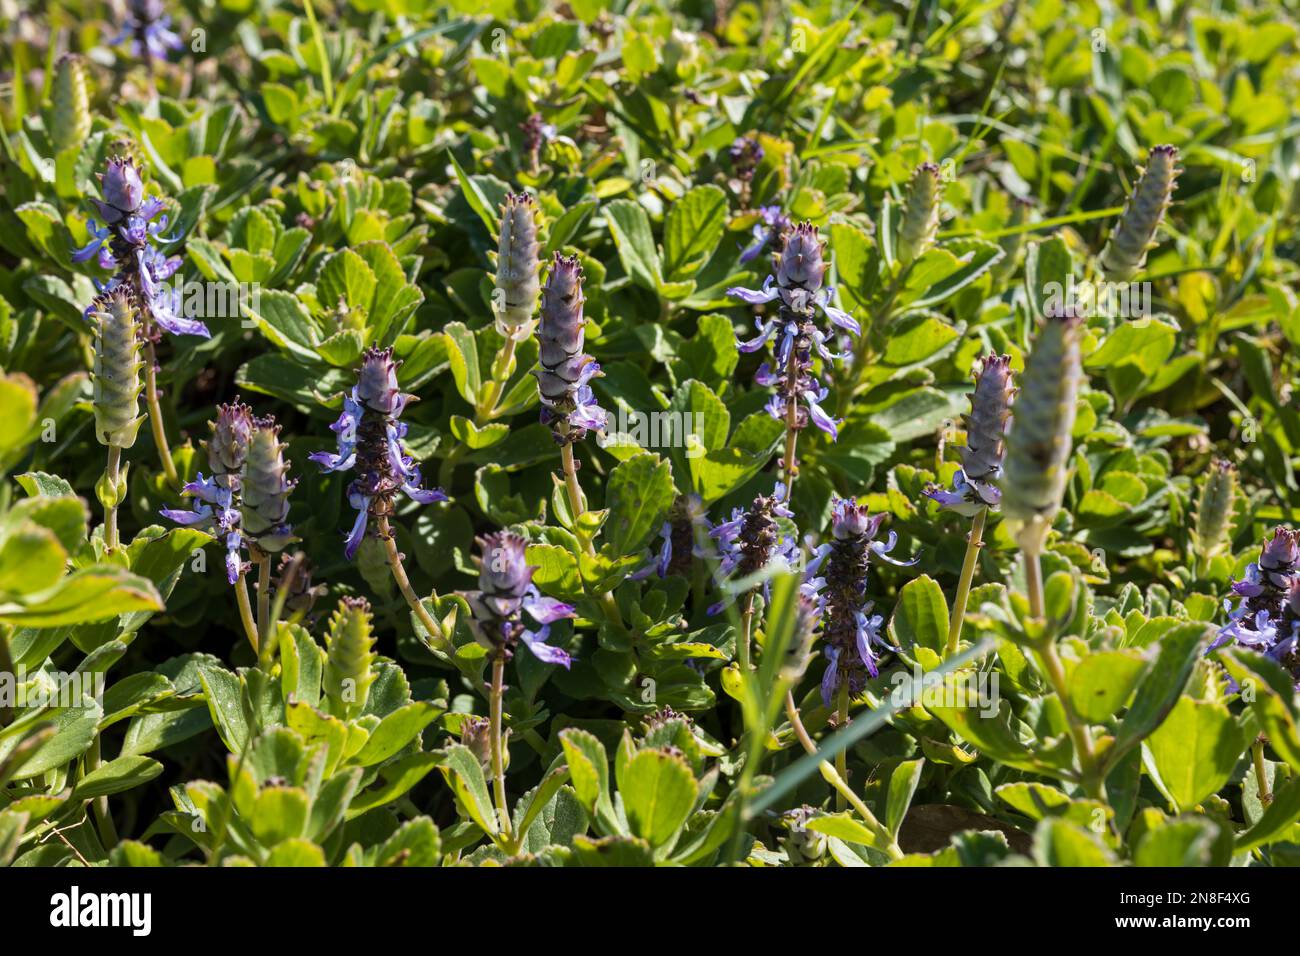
110, 512
501, 366
743, 639
264, 623
577, 509
103, 818
408, 592
1261, 773
842, 789
1079, 732
791, 425
842, 721
6, 667
155, 412
246, 612
973, 543
498, 755
1033, 581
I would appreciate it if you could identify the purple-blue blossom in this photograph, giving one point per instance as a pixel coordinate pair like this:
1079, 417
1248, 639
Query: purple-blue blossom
507, 599
370, 441
796, 284
565, 371
771, 226
126, 241
851, 634
148, 29
1267, 616
750, 540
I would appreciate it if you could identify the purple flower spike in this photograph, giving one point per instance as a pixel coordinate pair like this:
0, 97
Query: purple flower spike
564, 370
974, 485
369, 437
751, 540
796, 284
133, 224
507, 595
1267, 616
852, 634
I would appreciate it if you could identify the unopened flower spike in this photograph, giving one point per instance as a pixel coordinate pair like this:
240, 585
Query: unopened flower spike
1125, 252
974, 485
264, 502
70, 123
1038, 444
370, 435
517, 286
349, 659
116, 376
920, 214
565, 370
508, 609
796, 283
851, 634
1214, 507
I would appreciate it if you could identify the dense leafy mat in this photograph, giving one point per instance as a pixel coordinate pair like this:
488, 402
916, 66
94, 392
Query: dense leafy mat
527, 432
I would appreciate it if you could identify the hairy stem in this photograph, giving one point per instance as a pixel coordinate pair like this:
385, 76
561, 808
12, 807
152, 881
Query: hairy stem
577, 509
1033, 581
110, 511
155, 413
502, 365
973, 544
246, 612
103, 816
1081, 736
498, 755
408, 592
842, 721
842, 789
264, 624
1261, 773
746, 629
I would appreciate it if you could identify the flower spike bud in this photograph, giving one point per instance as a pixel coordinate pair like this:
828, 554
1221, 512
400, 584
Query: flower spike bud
117, 379
1214, 510
71, 122
565, 371
1038, 443
228, 446
517, 287
349, 659
975, 483
920, 214
1125, 252
265, 502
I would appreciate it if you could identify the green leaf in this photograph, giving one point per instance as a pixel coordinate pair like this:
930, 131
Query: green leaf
692, 231
416, 843
93, 594
476, 198
1059, 843
630, 227
921, 616
902, 787
658, 791
1193, 752
124, 773
295, 853
465, 775
1180, 648
395, 731
1102, 682
1186, 842
638, 495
